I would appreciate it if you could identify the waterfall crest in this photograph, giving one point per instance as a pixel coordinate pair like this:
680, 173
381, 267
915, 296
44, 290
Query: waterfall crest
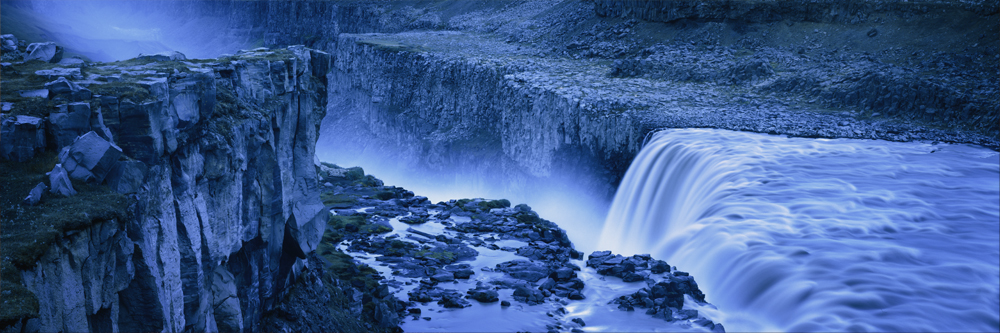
795, 234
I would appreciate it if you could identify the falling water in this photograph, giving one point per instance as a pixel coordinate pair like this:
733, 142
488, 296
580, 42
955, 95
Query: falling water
794, 234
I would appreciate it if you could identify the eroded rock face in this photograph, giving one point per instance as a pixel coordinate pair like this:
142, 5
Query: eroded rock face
23, 136
227, 196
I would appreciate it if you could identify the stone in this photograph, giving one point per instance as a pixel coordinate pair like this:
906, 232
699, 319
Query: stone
127, 177
484, 295
35, 196
90, 158
62, 88
47, 52
463, 274
23, 136
443, 277
8, 42
59, 180
163, 56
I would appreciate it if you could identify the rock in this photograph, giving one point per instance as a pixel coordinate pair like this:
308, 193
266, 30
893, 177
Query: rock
484, 295
504, 303
463, 274
59, 180
163, 56
579, 321
90, 158
443, 277
523, 270
127, 176
23, 136
35, 196
8, 43
47, 52
873, 32
71, 121
62, 88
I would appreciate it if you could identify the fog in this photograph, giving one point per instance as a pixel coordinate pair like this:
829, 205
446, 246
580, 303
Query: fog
117, 30
572, 206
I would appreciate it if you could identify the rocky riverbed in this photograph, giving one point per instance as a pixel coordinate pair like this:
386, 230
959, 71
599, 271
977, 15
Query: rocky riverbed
496, 259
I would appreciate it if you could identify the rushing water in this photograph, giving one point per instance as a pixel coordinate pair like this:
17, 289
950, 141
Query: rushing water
794, 234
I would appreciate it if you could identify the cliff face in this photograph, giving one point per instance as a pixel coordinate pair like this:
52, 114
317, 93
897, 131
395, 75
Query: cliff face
445, 113
228, 205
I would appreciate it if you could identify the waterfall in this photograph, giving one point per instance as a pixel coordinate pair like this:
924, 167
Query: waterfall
795, 234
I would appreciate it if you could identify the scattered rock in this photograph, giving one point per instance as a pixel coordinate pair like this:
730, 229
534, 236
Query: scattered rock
163, 56
35, 196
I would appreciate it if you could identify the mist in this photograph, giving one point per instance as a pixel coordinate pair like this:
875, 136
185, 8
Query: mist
571, 205
117, 30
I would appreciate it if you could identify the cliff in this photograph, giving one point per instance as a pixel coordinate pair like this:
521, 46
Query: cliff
215, 163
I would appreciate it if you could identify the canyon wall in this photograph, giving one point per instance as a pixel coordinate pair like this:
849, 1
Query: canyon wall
226, 207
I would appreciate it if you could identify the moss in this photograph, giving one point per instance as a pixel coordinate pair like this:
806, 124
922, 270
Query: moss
487, 205
355, 224
444, 256
124, 90
29, 231
339, 201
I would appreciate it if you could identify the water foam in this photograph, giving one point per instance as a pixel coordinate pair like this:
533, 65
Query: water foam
801, 234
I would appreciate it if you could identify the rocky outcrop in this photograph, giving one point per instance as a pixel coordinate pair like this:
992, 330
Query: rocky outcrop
219, 156
764, 11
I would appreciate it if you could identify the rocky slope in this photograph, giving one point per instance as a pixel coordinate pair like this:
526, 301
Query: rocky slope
215, 165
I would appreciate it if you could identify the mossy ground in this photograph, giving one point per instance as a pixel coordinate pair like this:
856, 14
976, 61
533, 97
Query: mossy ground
26, 232
22, 77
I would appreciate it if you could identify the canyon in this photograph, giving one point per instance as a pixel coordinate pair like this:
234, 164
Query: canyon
217, 203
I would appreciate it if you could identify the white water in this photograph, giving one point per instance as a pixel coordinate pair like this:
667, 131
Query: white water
794, 234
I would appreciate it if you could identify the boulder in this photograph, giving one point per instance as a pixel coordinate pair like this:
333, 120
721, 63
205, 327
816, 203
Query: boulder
8, 43
484, 295
35, 196
90, 158
62, 88
59, 180
23, 136
163, 56
47, 52
127, 176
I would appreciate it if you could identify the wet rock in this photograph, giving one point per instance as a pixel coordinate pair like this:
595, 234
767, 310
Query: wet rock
443, 277
526, 294
484, 295
23, 136
523, 270
47, 52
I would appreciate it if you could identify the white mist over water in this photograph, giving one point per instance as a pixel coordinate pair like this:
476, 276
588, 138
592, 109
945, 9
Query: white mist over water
795, 234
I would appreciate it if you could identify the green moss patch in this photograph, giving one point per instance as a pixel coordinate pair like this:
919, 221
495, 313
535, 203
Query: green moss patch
125, 90
338, 201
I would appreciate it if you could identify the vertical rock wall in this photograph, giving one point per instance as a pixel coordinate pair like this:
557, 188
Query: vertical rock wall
451, 114
229, 206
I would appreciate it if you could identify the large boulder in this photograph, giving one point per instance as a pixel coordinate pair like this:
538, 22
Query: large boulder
62, 88
47, 52
90, 158
23, 136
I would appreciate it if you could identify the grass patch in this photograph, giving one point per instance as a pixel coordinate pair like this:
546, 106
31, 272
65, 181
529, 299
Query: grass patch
338, 201
126, 91
26, 232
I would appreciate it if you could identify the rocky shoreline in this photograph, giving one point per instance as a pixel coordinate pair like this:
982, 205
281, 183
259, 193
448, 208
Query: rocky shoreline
434, 261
